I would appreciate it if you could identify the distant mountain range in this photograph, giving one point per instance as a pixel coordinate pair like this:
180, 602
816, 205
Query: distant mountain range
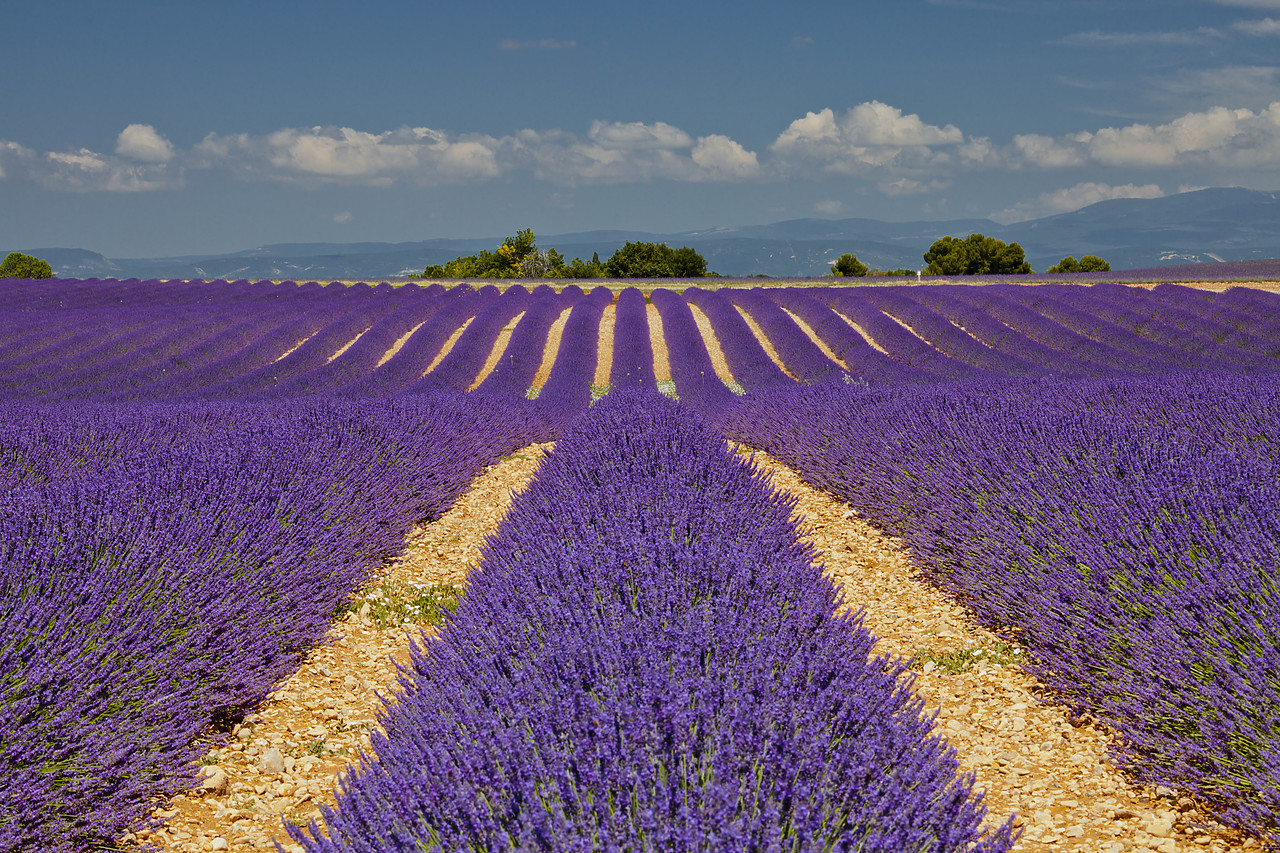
1204, 226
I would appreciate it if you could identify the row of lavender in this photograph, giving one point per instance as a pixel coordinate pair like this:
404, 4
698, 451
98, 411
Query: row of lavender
156, 341
165, 563
133, 351
161, 568
1126, 530
653, 661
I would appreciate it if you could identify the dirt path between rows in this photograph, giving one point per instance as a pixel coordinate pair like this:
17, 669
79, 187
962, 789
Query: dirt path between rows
1028, 755
286, 759
1030, 758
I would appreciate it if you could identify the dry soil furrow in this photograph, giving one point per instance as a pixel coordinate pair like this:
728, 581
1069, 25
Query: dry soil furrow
658, 343
285, 760
551, 349
498, 351
395, 347
604, 345
1027, 754
718, 361
448, 345
763, 339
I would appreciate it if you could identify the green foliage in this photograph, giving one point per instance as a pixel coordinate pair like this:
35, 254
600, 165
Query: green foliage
655, 260
1087, 263
509, 260
848, 265
18, 265
517, 257
578, 268
954, 661
393, 603
975, 255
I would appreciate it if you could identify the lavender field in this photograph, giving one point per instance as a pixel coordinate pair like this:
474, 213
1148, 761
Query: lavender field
197, 477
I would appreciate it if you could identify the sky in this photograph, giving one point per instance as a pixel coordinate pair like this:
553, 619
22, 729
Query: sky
138, 128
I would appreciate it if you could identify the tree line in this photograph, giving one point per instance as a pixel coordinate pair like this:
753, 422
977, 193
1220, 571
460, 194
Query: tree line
976, 254
520, 257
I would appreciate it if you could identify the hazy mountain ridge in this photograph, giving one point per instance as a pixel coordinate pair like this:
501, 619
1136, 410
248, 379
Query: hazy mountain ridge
1204, 226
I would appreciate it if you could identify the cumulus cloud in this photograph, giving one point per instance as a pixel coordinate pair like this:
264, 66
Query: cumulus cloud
895, 152
141, 142
13, 158
869, 138
87, 171
637, 135
1215, 137
1073, 198
319, 155
830, 208
1033, 149
721, 158
618, 152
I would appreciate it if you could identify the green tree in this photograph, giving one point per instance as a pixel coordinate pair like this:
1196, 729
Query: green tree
1087, 263
687, 263
848, 265
508, 261
976, 254
18, 265
578, 268
655, 260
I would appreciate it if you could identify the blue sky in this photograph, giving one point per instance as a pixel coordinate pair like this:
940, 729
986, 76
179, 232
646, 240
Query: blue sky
140, 128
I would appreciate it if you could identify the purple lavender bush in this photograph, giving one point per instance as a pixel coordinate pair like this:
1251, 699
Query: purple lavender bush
649, 659
162, 567
1127, 531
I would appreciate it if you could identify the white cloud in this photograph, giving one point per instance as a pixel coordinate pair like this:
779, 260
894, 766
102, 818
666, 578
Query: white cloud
910, 186
1045, 152
875, 143
343, 217
871, 138
722, 158
319, 155
1073, 198
141, 142
636, 135
830, 208
1264, 27
88, 171
618, 152
1214, 137
13, 158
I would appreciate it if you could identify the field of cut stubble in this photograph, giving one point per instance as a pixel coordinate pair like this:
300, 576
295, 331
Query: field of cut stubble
931, 567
